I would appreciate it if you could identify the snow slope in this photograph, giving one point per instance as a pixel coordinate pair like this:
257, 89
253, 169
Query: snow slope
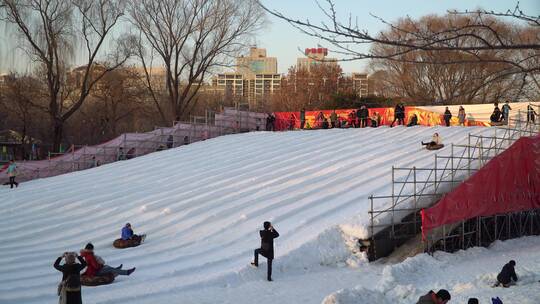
201, 206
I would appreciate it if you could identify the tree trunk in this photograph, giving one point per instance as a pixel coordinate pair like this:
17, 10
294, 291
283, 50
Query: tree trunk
58, 127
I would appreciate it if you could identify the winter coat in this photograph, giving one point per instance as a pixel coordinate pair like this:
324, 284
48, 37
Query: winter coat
413, 121
506, 109
267, 242
461, 116
359, 113
364, 113
92, 264
71, 275
436, 139
507, 274
12, 170
333, 117
302, 115
447, 115
428, 298
496, 116
127, 233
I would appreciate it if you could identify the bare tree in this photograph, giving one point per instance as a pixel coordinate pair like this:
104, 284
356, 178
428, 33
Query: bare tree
477, 37
416, 76
190, 38
49, 31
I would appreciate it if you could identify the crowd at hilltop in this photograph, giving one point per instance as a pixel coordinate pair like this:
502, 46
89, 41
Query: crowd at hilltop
361, 118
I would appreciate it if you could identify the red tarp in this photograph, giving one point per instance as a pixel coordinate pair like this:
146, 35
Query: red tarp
510, 182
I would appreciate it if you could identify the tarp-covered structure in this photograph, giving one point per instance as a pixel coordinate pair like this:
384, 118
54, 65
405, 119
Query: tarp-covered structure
510, 182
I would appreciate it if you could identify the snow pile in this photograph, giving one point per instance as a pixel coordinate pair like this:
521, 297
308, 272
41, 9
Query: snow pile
466, 274
357, 295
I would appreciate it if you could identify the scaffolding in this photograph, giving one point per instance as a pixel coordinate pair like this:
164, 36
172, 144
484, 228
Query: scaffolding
415, 188
131, 145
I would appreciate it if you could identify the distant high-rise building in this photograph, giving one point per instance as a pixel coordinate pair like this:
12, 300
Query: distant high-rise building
254, 80
360, 84
315, 56
256, 63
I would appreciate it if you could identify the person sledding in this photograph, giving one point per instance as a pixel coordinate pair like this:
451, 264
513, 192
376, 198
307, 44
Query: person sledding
69, 289
96, 266
128, 238
441, 297
435, 143
507, 277
267, 247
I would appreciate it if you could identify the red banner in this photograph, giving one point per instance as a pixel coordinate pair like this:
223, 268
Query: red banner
284, 120
510, 182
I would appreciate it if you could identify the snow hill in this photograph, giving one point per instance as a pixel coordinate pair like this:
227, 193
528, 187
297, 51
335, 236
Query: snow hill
202, 206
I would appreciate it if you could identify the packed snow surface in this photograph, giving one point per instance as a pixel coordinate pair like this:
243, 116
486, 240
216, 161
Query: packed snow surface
202, 205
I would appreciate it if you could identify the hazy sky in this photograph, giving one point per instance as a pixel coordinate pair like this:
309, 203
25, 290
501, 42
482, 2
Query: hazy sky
283, 41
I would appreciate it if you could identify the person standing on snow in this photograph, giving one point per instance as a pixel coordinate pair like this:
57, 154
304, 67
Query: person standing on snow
69, 289
12, 173
506, 111
441, 297
531, 114
267, 248
461, 116
447, 116
302, 118
507, 276
333, 119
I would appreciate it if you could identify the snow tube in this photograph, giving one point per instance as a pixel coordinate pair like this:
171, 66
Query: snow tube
133, 242
97, 280
434, 147
497, 123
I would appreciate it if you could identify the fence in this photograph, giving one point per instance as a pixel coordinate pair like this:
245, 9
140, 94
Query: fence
415, 188
131, 145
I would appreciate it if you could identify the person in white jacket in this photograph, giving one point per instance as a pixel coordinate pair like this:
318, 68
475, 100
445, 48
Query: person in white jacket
435, 141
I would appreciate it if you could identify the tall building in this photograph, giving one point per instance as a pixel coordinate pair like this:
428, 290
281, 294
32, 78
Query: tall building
315, 56
360, 84
254, 80
256, 63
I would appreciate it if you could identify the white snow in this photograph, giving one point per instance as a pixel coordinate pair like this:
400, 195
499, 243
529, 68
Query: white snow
202, 205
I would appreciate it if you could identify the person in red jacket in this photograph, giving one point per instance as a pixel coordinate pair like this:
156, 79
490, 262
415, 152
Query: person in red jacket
96, 266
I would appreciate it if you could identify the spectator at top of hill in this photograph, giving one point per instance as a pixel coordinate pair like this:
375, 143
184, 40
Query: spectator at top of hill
496, 115
447, 116
413, 121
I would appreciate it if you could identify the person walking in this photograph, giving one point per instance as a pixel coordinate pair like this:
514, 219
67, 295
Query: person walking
12, 173
364, 115
447, 116
531, 114
461, 116
399, 115
333, 119
506, 111
441, 297
96, 265
292, 122
69, 290
508, 275
302, 118
267, 248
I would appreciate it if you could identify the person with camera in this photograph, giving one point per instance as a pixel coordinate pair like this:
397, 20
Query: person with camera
267, 247
69, 290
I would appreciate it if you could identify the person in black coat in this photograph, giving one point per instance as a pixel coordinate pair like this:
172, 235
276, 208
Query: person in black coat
267, 247
71, 278
507, 274
399, 115
413, 121
447, 116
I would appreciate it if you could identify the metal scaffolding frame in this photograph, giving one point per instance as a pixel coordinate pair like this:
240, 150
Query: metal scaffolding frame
414, 188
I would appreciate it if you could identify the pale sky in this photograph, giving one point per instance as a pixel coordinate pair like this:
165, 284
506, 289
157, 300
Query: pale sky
283, 41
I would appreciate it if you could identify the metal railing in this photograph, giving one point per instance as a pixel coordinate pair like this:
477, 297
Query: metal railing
414, 188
